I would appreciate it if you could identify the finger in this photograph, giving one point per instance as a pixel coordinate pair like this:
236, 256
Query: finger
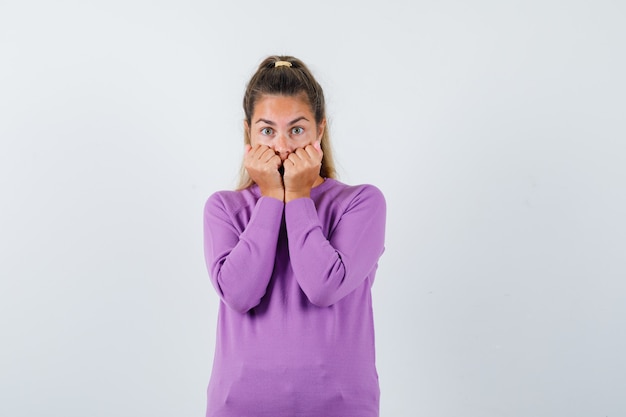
268, 155
294, 157
253, 152
276, 161
258, 152
312, 154
289, 164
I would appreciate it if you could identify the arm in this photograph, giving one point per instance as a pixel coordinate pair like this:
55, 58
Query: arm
239, 256
328, 269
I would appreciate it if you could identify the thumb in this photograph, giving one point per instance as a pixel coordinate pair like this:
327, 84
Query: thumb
247, 148
317, 145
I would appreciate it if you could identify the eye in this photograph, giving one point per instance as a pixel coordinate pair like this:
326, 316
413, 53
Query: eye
267, 131
297, 130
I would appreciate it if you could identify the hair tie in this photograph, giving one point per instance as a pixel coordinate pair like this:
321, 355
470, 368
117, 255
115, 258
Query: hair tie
282, 64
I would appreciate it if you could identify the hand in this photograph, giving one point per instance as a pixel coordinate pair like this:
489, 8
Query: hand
302, 171
262, 165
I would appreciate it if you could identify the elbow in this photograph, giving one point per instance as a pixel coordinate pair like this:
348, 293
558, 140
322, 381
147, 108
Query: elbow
238, 299
327, 292
240, 304
322, 296
239, 307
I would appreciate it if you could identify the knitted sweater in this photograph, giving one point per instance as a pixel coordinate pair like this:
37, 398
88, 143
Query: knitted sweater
295, 333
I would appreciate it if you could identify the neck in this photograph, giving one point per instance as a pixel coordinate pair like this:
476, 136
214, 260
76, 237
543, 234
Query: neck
318, 181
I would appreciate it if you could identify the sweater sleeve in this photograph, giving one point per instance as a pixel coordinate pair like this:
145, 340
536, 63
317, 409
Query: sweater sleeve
240, 257
329, 268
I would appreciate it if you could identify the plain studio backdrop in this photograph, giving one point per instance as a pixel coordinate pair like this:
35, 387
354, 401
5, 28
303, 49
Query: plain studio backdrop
495, 129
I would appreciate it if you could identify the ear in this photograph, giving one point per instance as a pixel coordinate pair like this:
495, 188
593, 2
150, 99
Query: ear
246, 132
320, 129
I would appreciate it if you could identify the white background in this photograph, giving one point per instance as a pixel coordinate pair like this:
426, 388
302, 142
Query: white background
494, 128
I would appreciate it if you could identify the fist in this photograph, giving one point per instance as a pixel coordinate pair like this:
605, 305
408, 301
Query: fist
262, 165
302, 171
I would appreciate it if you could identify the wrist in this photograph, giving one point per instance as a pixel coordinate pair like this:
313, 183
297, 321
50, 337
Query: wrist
278, 194
293, 195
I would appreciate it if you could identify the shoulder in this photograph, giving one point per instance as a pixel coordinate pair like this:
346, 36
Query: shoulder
346, 196
231, 201
338, 188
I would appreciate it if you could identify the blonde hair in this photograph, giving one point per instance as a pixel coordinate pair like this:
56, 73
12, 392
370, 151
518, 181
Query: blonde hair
287, 80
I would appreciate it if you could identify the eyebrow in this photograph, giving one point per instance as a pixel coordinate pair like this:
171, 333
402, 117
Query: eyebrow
269, 122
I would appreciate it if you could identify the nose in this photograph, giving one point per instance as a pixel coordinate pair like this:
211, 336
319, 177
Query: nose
281, 147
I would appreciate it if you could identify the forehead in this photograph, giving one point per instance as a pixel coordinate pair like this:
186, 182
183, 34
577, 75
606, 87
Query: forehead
276, 107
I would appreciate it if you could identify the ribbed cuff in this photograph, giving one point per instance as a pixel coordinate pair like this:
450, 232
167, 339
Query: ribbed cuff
300, 213
267, 213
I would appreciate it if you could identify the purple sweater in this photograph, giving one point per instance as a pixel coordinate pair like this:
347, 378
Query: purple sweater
295, 331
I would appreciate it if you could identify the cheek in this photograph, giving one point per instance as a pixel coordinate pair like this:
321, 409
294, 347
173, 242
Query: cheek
311, 138
258, 140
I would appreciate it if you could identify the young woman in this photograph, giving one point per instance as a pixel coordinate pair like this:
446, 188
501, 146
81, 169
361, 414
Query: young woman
292, 254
